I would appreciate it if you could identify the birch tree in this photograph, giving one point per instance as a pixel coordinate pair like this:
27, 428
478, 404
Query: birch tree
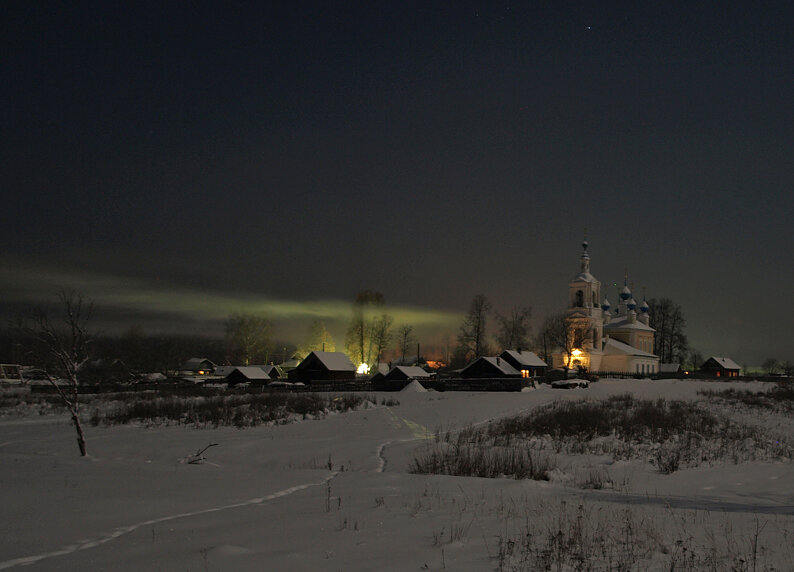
63, 350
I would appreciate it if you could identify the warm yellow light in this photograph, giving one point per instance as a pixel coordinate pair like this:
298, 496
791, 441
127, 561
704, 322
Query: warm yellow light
576, 353
363, 368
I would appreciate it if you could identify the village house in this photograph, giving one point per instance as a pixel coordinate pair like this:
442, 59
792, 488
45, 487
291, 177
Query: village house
720, 367
323, 366
489, 367
528, 363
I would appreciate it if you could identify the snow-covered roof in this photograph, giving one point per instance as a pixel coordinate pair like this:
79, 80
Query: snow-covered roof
223, 370
413, 371
584, 277
727, 363
623, 324
613, 346
530, 359
291, 363
251, 372
271, 370
669, 367
195, 364
335, 361
501, 365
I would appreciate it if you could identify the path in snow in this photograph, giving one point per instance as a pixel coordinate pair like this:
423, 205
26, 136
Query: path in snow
27, 560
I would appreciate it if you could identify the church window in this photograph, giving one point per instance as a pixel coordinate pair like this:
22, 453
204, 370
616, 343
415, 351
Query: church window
579, 298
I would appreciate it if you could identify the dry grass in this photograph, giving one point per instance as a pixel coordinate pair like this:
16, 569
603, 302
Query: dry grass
668, 434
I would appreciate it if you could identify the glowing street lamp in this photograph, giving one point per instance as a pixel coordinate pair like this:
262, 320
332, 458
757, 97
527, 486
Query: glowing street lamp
363, 369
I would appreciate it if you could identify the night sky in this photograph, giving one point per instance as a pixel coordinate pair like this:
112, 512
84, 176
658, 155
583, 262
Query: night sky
180, 161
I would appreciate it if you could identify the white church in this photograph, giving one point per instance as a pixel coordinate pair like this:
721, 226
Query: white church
618, 341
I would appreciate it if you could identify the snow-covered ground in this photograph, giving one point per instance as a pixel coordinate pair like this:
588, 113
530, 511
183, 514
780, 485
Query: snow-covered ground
335, 494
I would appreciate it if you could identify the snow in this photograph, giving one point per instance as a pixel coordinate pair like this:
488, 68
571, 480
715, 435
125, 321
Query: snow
335, 494
412, 371
526, 358
414, 387
335, 361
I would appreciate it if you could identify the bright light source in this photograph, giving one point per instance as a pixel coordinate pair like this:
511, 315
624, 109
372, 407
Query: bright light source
363, 368
576, 353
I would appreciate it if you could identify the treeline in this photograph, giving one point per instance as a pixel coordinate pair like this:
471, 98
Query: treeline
135, 352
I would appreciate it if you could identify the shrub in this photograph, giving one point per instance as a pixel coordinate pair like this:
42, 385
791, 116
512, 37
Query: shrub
238, 410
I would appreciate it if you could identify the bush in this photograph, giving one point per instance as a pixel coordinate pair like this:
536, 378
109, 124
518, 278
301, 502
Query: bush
243, 410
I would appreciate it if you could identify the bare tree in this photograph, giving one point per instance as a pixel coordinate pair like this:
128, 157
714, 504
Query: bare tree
318, 338
566, 334
670, 342
248, 337
405, 337
359, 342
472, 342
380, 336
771, 366
695, 359
64, 351
514, 329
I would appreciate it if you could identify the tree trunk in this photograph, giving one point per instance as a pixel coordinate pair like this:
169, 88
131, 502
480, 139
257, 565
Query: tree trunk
80, 436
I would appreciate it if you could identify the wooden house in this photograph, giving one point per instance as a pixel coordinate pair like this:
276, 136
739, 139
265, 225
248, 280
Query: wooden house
323, 366
489, 367
528, 363
720, 367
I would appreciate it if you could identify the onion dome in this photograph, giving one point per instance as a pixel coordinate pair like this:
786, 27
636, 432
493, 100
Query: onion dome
605, 305
625, 294
631, 304
644, 308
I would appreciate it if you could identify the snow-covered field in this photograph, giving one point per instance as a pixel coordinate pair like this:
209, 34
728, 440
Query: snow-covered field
335, 494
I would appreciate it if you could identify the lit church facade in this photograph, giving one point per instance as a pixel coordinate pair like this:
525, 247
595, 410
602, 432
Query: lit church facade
619, 341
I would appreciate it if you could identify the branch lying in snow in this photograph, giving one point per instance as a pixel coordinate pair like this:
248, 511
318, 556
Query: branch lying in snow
199, 457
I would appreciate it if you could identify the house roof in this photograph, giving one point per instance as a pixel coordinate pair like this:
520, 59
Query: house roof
271, 370
251, 372
726, 363
334, 361
614, 347
412, 371
525, 358
669, 367
223, 370
195, 364
498, 363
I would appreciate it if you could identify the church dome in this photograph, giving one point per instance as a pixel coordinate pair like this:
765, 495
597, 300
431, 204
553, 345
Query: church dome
644, 308
632, 304
605, 305
625, 294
